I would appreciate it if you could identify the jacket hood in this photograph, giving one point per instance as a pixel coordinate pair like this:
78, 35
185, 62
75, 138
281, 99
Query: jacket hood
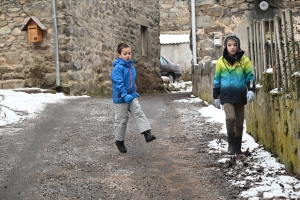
239, 54
232, 36
120, 61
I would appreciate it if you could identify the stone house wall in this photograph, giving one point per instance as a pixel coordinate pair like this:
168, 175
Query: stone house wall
174, 15
217, 18
88, 33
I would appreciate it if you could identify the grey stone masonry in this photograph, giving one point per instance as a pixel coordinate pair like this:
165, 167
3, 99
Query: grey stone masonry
88, 34
175, 15
217, 18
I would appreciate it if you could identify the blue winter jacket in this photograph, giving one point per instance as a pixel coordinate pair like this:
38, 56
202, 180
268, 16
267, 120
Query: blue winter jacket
231, 83
123, 78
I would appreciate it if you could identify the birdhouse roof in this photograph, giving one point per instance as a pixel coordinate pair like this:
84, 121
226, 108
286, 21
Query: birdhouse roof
33, 18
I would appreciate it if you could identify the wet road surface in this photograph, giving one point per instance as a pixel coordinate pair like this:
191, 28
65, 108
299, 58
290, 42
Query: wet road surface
68, 152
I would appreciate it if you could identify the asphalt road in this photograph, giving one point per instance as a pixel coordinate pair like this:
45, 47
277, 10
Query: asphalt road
68, 152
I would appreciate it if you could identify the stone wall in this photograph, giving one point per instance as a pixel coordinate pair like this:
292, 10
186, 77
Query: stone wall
174, 15
273, 120
216, 18
88, 32
202, 80
220, 17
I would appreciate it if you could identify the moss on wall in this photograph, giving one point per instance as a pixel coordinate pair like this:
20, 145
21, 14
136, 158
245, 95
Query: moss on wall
274, 124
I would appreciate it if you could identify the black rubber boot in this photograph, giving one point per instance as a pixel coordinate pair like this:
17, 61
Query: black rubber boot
148, 136
121, 146
231, 143
238, 145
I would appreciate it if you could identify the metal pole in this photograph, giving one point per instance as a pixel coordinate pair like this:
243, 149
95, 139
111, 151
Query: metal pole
57, 75
194, 31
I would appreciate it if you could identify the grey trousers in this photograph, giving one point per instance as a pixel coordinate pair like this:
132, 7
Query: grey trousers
122, 111
234, 118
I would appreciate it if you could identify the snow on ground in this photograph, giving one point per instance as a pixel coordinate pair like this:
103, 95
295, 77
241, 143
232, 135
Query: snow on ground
272, 182
182, 86
265, 179
16, 106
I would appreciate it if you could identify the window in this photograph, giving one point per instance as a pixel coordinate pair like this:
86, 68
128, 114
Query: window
163, 61
144, 40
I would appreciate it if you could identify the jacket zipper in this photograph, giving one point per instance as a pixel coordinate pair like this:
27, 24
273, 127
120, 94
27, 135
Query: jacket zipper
130, 72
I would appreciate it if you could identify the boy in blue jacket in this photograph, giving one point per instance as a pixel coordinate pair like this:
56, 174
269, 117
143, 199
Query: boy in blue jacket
125, 99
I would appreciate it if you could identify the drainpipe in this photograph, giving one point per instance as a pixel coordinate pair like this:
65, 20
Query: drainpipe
194, 31
57, 75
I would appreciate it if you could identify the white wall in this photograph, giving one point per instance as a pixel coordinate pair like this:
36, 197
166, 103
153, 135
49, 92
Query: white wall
178, 53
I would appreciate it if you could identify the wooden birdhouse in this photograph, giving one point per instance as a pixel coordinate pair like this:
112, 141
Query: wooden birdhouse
35, 30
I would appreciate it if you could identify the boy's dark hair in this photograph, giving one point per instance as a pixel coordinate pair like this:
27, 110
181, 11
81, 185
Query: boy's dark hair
122, 46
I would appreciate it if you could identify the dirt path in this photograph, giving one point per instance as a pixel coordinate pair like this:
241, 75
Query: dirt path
68, 152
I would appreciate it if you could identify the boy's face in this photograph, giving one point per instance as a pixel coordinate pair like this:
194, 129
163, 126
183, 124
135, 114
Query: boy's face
125, 54
231, 47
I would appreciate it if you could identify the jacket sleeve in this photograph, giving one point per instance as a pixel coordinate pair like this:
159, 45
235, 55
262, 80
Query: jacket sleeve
217, 82
118, 81
249, 76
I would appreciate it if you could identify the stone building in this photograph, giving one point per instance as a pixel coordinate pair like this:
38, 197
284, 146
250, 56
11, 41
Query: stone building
88, 34
216, 18
174, 16
174, 27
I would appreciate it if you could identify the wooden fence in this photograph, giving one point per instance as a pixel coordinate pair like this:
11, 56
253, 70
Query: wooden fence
272, 47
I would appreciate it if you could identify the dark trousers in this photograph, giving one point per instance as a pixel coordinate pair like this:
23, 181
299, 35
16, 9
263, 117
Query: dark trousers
234, 118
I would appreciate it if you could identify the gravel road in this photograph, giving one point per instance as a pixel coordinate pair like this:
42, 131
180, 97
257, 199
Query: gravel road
68, 152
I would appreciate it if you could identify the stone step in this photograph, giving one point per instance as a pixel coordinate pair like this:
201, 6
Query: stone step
11, 84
